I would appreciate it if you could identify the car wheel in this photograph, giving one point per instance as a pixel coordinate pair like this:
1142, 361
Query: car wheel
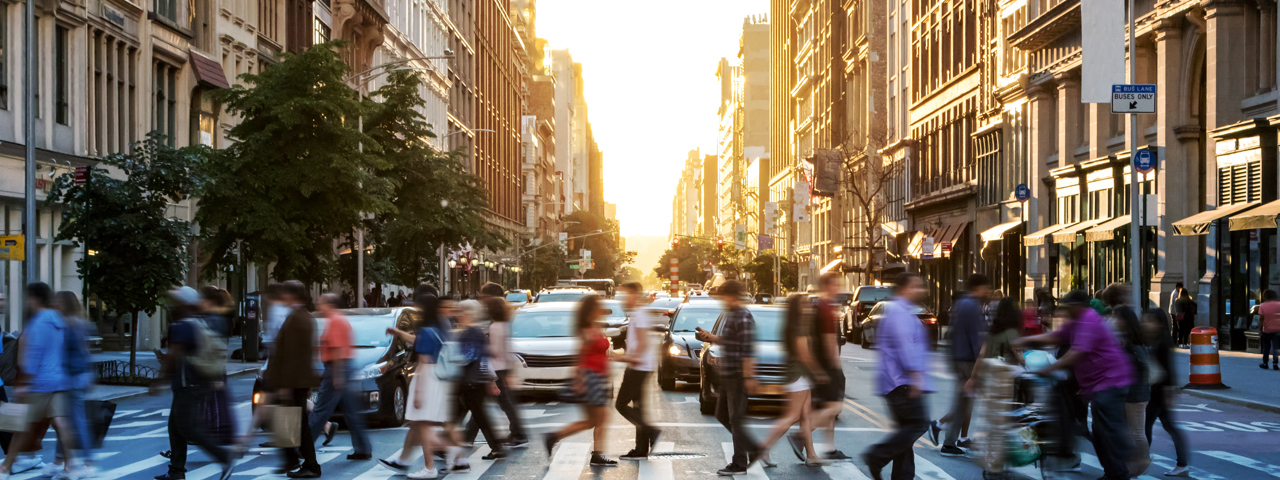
866, 344
666, 382
399, 404
705, 404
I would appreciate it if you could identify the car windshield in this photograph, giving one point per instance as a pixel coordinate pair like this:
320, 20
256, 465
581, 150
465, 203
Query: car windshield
872, 295
688, 319
844, 298
517, 297
665, 303
768, 324
560, 297
370, 331
614, 308
542, 324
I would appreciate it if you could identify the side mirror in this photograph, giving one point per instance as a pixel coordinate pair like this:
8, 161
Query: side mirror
841, 340
612, 332
661, 327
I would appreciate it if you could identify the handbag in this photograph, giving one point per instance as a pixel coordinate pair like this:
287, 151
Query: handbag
99, 413
217, 417
286, 426
14, 417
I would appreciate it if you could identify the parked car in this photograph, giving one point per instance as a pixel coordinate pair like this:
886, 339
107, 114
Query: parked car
562, 295
666, 306
518, 298
679, 350
617, 319
867, 330
864, 298
770, 357
382, 363
699, 296
545, 346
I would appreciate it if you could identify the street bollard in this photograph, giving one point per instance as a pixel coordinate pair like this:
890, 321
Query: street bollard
1206, 372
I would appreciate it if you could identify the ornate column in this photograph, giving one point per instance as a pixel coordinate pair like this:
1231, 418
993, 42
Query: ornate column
1068, 115
1179, 164
1042, 119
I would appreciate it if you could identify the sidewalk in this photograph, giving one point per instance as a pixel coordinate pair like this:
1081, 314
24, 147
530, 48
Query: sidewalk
1250, 386
148, 359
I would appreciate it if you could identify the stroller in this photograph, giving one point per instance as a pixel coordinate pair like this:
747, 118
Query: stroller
1021, 417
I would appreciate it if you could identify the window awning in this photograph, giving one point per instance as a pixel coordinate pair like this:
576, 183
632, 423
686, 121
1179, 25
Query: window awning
1262, 217
1039, 237
1068, 235
833, 264
208, 71
997, 232
916, 244
1198, 224
948, 234
1107, 230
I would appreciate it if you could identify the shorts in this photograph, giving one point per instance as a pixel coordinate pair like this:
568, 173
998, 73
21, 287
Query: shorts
45, 405
833, 390
599, 392
799, 385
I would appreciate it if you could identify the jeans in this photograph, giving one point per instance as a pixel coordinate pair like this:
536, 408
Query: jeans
731, 411
297, 397
1270, 345
184, 426
912, 418
507, 402
1111, 439
330, 398
630, 405
1158, 408
76, 415
472, 397
961, 406
1140, 456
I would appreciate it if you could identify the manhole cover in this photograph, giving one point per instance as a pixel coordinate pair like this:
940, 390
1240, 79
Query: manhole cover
676, 455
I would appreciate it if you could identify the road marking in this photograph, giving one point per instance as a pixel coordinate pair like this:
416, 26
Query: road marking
754, 472
845, 470
139, 424
1092, 461
212, 469
377, 471
882, 422
162, 412
135, 467
568, 461
1169, 463
162, 432
125, 413
926, 469
478, 465
658, 468
1244, 462
542, 426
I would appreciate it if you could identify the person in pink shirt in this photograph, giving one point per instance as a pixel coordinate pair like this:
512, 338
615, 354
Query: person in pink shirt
1270, 312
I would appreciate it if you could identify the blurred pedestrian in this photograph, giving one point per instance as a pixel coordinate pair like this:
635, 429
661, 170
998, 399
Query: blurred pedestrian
42, 381
1134, 342
477, 383
641, 359
824, 332
188, 339
1006, 328
1156, 325
904, 356
429, 394
1270, 313
968, 333
277, 311
291, 374
215, 311
737, 372
336, 352
1104, 374
491, 290
79, 379
802, 372
590, 381
1186, 317
501, 363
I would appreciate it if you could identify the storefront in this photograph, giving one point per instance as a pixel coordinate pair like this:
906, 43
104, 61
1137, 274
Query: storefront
1002, 252
945, 261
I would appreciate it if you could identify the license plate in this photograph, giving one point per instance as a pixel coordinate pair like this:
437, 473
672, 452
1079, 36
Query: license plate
771, 389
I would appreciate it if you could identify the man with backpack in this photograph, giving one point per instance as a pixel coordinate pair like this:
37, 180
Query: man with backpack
192, 366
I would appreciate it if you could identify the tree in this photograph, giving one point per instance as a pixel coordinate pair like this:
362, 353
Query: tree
761, 270
696, 256
136, 252
298, 175
543, 267
435, 200
868, 187
606, 249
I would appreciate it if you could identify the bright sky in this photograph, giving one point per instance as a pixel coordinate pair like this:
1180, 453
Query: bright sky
651, 88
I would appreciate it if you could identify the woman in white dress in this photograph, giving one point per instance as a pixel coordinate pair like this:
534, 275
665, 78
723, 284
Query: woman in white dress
428, 404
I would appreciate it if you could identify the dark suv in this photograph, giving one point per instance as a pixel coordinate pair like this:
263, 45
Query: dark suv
771, 359
679, 350
864, 298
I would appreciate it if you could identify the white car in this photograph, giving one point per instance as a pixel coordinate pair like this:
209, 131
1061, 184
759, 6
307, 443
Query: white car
544, 345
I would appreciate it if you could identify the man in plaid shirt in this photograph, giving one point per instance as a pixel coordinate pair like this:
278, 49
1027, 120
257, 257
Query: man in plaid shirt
737, 375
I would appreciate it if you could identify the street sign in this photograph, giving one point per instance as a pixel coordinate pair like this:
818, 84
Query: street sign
82, 175
1133, 99
575, 267
770, 216
926, 249
1145, 162
946, 247
766, 242
740, 237
1022, 192
12, 248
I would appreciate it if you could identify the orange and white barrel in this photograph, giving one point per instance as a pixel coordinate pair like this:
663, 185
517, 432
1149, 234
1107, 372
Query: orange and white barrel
1206, 371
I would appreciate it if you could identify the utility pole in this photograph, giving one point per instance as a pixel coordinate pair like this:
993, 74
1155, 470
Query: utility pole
29, 132
1135, 220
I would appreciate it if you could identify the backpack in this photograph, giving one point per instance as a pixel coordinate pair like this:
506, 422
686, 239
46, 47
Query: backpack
450, 361
9, 359
210, 357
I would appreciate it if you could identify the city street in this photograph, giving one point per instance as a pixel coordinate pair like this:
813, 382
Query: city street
1229, 442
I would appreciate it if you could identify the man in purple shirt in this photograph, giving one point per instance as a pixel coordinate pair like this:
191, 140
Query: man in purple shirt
1104, 374
904, 354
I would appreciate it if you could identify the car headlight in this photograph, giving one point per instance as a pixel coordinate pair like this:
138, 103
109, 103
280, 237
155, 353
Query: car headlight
675, 351
372, 371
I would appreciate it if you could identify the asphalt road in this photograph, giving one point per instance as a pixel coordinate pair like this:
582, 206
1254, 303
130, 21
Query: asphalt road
1229, 442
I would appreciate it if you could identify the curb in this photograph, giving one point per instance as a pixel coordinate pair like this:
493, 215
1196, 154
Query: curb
143, 391
1210, 395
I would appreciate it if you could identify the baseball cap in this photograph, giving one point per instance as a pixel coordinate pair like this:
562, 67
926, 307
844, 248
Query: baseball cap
185, 295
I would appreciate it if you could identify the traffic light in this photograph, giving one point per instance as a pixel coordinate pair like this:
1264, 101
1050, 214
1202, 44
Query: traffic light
720, 244
675, 242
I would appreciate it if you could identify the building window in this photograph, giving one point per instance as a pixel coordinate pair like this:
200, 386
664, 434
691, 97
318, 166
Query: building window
1067, 211
165, 102
4, 56
321, 33
167, 9
112, 91
61, 104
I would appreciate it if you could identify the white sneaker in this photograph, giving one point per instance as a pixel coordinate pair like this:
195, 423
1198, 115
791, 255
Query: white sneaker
26, 463
46, 470
1178, 472
451, 456
424, 474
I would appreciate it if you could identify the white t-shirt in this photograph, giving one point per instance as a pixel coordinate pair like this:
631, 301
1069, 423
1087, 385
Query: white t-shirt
276, 314
641, 324
499, 340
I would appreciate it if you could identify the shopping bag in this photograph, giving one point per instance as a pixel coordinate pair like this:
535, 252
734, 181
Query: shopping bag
14, 417
99, 413
217, 417
286, 426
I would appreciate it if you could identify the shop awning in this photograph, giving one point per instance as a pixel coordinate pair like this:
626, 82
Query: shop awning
1198, 224
916, 244
834, 263
1262, 217
995, 233
1039, 237
1068, 235
948, 234
1107, 230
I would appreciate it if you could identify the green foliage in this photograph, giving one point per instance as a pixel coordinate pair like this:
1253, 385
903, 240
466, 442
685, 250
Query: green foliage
761, 270
695, 255
543, 267
295, 178
436, 200
119, 214
606, 249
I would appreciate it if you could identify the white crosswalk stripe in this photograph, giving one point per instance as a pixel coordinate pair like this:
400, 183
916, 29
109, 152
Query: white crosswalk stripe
1197, 473
658, 468
926, 469
569, 460
1244, 462
478, 466
1092, 461
755, 472
844, 470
